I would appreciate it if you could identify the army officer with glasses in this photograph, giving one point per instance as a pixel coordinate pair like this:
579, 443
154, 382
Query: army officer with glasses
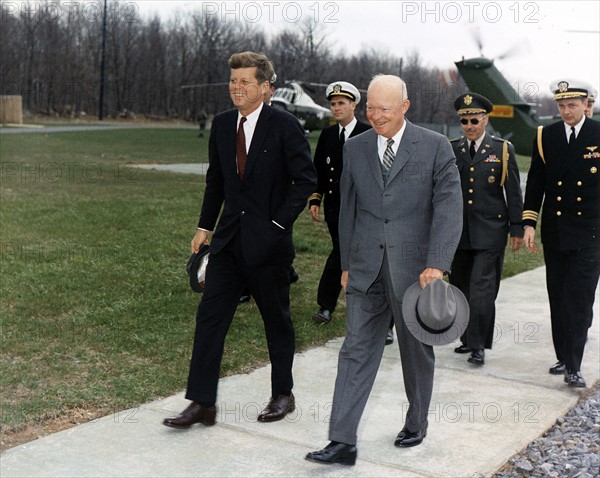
488, 169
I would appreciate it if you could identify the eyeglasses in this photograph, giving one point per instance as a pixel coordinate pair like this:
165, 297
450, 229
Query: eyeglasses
472, 120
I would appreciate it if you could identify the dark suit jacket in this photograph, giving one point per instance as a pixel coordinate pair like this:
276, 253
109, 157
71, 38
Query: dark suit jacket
278, 179
488, 215
567, 181
329, 166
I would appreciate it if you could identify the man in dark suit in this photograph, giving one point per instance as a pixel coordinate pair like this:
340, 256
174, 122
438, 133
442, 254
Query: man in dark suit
343, 98
261, 174
565, 177
400, 222
492, 207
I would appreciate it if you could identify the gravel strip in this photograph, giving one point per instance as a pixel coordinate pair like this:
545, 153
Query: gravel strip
571, 448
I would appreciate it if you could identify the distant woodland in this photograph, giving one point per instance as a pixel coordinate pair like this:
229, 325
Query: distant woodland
53, 59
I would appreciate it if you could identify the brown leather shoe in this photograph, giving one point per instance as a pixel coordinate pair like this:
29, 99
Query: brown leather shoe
195, 413
278, 408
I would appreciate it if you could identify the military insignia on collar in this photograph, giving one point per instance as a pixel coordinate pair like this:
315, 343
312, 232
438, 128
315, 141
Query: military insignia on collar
563, 86
468, 100
337, 88
492, 179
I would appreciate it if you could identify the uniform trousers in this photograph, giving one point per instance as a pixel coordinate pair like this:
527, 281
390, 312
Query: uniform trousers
367, 322
226, 275
571, 280
330, 283
477, 274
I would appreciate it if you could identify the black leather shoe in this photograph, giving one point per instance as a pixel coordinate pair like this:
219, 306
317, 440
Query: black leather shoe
477, 357
462, 349
576, 380
390, 337
335, 452
406, 439
195, 413
293, 275
277, 408
323, 316
558, 368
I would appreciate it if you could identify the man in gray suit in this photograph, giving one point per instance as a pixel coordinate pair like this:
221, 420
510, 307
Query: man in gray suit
400, 222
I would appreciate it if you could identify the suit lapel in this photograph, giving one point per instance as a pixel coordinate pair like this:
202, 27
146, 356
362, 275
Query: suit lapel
372, 154
228, 159
260, 132
408, 145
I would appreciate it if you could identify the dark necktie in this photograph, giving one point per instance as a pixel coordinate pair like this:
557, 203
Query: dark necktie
343, 136
472, 149
572, 137
240, 148
388, 155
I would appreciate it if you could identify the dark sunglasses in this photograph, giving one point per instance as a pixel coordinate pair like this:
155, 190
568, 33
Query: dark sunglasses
472, 120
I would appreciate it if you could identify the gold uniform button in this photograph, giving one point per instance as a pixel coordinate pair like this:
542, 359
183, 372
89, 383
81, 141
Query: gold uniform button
470, 201
471, 180
331, 180
499, 216
330, 192
332, 169
558, 198
579, 183
471, 169
579, 213
593, 170
578, 199
558, 213
559, 183
470, 191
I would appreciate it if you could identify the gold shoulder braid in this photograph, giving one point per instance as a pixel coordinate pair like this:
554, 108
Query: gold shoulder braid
539, 143
504, 162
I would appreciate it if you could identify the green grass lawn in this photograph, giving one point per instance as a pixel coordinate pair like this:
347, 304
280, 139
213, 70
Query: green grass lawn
95, 307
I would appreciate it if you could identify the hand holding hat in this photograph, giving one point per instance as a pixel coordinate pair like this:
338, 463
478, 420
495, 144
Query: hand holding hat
437, 314
196, 268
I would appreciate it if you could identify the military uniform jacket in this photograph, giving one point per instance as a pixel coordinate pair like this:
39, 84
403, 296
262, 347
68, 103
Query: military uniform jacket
567, 182
329, 165
488, 216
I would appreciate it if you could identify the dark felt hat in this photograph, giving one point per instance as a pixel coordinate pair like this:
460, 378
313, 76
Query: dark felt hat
196, 268
437, 314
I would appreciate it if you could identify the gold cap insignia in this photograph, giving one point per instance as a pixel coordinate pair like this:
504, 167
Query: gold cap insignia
468, 100
563, 86
337, 88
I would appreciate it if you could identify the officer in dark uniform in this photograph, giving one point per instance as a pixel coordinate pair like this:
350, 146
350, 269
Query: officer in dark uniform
564, 182
493, 206
343, 98
592, 94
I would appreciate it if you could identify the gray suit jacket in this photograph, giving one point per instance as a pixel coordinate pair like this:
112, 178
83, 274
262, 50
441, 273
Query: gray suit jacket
417, 215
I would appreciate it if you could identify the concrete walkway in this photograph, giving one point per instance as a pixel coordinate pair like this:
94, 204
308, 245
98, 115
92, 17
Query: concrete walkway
479, 417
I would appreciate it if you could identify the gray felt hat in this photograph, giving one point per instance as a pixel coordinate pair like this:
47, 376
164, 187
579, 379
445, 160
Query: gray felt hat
437, 314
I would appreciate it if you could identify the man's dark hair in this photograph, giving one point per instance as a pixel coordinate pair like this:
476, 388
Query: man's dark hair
248, 59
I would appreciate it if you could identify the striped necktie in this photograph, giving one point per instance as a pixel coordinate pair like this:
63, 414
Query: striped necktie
388, 155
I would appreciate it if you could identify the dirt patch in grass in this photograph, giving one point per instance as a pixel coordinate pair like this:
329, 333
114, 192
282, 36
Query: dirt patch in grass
69, 418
